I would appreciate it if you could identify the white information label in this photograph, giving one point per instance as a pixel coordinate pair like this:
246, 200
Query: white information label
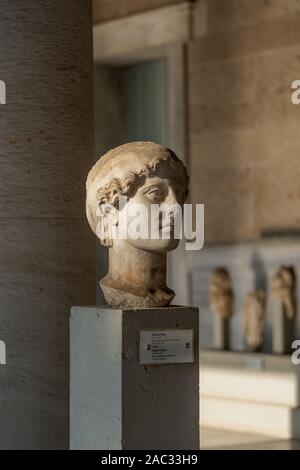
166, 346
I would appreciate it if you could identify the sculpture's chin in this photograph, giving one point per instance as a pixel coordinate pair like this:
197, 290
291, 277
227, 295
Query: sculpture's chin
155, 246
119, 298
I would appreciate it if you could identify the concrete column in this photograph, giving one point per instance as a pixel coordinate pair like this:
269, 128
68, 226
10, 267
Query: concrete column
46, 248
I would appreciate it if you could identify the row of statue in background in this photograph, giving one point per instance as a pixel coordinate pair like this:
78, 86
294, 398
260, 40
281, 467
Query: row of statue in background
283, 301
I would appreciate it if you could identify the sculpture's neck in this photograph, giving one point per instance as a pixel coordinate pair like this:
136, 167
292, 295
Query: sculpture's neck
136, 269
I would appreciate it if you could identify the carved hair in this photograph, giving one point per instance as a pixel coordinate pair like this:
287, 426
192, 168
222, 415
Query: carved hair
128, 185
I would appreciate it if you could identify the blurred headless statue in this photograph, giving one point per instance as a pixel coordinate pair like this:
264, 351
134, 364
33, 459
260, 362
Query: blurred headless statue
221, 293
283, 289
254, 307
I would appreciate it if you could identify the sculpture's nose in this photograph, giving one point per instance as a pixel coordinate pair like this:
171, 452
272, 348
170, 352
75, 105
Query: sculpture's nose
171, 207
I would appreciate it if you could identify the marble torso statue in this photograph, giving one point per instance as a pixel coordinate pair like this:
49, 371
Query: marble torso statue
254, 319
283, 289
221, 293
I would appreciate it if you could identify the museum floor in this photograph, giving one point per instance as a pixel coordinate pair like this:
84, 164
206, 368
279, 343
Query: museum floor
219, 439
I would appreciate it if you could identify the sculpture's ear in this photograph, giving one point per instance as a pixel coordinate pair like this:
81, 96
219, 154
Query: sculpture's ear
106, 224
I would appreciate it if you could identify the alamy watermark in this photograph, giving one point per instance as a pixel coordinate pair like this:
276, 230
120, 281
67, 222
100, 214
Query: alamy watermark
2, 92
295, 96
152, 222
296, 354
2, 353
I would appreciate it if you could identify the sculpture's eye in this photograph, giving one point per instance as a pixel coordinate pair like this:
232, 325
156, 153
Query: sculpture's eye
155, 194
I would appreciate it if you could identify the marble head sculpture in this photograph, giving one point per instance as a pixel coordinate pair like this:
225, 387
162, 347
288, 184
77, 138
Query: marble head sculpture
145, 173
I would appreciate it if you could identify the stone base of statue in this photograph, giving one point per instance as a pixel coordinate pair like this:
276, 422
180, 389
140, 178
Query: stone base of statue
134, 378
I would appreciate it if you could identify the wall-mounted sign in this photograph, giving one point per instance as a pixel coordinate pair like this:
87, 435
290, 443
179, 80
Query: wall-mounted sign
166, 346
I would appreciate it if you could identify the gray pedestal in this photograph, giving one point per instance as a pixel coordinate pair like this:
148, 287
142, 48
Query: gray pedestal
220, 332
116, 402
283, 329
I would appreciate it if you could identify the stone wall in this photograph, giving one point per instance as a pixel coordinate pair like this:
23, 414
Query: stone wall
244, 139
242, 127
